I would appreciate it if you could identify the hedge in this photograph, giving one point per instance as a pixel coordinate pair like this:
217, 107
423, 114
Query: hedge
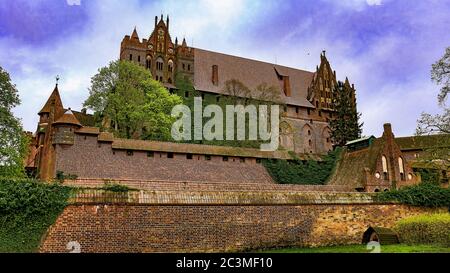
431, 229
27, 208
423, 194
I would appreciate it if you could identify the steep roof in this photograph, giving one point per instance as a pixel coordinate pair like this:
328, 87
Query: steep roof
54, 98
251, 73
68, 118
423, 142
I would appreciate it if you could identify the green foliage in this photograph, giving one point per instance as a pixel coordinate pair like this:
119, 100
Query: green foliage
308, 172
345, 126
127, 100
235, 93
424, 194
430, 176
27, 209
13, 142
425, 229
114, 187
61, 176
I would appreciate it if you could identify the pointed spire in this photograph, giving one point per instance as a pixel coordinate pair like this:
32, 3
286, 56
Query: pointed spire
54, 99
135, 34
184, 42
156, 20
176, 41
167, 21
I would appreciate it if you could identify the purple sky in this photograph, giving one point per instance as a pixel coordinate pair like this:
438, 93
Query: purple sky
385, 47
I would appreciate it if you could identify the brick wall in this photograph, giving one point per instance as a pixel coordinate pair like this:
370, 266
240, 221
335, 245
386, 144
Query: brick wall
167, 227
89, 158
206, 185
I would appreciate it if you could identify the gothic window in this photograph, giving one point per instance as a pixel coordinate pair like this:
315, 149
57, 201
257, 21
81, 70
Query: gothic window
385, 167
170, 66
139, 59
401, 167
131, 57
184, 66
148, 62
189, 67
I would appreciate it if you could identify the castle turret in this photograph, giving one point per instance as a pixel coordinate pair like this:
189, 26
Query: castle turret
64, 128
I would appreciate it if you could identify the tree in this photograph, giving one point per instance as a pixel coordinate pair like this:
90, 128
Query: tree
13, 141
345, 126
239, 91
130, 103
438, 124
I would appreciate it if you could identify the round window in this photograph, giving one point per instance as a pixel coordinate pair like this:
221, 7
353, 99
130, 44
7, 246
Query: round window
377, 175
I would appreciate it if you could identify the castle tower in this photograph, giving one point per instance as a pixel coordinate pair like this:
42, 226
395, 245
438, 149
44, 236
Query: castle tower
159, 54
52, 111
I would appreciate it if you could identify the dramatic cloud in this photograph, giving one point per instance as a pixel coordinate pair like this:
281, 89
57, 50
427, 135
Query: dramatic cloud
385, 47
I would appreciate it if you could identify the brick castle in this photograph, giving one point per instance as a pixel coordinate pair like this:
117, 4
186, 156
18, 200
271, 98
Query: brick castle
67, 141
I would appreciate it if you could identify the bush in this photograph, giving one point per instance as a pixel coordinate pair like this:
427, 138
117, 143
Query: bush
114, 187
424, 194
308, 172
425, 229
27, 208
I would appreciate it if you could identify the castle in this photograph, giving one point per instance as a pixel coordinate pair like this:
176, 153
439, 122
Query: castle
67, 142
307, 95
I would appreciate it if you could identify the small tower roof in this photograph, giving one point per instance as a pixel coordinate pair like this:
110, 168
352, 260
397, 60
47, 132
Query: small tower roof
134, 35
54, 98
68, 118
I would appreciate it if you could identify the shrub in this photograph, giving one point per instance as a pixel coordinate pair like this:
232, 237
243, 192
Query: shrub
310, 172
27, 208
114, 187
425, 229
424, 194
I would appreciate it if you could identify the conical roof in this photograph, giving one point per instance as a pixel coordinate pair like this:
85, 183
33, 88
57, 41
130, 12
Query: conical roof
68, 118
54, 98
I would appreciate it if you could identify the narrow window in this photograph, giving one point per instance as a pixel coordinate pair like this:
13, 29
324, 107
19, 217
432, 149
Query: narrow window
203, 96
309, 132
151, 154
217, 99
258, 161
189, 67
296, 110
208, 157
225, 158
309, 111
186, 94
242, 160
131, 57
129, 153
189, 156
139, 59
169, 155
184, 66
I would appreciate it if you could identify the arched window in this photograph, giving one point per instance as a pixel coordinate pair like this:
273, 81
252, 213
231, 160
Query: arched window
385, 167
401, 169
148, 62
159, 64
170, 66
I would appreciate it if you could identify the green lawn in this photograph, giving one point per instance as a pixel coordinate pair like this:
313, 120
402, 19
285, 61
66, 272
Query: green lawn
401, 248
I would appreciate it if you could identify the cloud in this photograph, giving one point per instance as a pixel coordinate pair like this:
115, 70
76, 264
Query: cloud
384, 49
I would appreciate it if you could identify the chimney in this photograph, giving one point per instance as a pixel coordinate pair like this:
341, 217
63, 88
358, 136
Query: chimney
387, 128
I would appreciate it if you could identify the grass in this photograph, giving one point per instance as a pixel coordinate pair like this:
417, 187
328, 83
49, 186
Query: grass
400, 248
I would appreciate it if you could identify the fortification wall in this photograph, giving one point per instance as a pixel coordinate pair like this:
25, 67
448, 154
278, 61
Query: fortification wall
217, 221
89, 158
